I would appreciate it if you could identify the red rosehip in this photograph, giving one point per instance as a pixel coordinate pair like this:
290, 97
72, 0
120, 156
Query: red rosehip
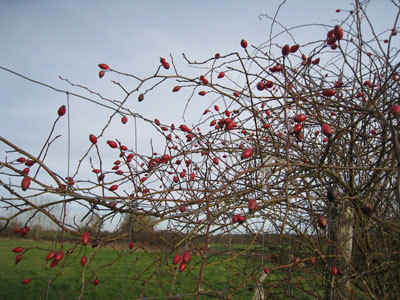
326, 129
338, 32
62, 110
177, 259
85, 238
285, 50
294, 48
247, 153
25, 183
18, 258
300, 118
104, 66
83, 261
328, 92
18, 250
252, 205
93, 138
322, 222
395, 109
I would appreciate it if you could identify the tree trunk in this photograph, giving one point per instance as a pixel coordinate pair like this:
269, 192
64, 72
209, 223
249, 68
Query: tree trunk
339, 251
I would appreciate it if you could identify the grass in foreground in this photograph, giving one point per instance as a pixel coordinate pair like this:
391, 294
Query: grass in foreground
147, 275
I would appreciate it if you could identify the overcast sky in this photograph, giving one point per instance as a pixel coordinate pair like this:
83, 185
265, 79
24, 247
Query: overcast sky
46, 39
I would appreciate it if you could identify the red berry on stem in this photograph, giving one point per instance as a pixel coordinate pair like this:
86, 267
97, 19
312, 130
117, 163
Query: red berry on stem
316, 61
101, 73
269, 84
141, 97
112, 144
328, 92
96, 281
182, 266
395, 109
186, 257
62, 110
114, 187
54, 263
221, 75
21, 160
18, 258
83, 261
165, 65
177, 259
124, 119
326, 129
203, 80
85, 238
334, 270
260, 86
338, 84
247, 153
51, 255
243, 43
294, 48
165, 158
322, 222
131, 245
184, 128
93, 138
240, 219
285, 50
29, 163
104, 66
338, 32
26, 281
59, 256
297, 128
266, 270
25, 183
300, 118
18, 250
252, 205
312, 260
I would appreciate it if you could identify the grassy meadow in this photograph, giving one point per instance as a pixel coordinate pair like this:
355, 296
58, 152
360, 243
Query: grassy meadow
148, 274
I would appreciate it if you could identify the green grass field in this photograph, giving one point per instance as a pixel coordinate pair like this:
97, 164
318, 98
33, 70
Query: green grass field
148, 275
